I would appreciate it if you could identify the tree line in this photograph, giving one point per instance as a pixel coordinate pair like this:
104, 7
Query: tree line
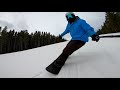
111, 24
13, 41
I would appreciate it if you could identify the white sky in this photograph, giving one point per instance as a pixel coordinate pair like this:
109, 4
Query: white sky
53, 22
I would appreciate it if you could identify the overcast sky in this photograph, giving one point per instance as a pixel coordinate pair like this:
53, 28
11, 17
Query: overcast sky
53, 22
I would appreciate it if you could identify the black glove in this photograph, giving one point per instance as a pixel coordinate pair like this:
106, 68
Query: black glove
60, 37
95, 37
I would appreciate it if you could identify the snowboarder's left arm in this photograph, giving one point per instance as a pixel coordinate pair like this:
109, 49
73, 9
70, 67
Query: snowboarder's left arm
90, 31
95, 37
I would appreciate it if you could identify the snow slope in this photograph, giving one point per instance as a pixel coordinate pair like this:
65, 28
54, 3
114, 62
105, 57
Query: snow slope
94, 60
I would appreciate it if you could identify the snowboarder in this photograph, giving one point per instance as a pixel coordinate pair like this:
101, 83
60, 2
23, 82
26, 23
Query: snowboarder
79, 31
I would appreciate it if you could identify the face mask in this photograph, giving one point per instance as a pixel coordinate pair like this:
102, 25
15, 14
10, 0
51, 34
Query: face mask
70, 20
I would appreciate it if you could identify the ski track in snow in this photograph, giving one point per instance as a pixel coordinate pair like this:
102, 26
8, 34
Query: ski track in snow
94, 60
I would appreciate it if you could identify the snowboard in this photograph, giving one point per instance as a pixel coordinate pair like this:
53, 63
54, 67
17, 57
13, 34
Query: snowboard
53, 68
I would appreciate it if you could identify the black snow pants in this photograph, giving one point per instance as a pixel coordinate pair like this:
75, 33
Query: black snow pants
71, 47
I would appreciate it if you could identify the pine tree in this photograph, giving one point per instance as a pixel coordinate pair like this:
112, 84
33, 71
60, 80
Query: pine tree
11, 41
111, 24
4, 39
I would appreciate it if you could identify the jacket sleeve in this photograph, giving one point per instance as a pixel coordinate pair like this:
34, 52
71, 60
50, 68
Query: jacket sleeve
89, 30
65, 32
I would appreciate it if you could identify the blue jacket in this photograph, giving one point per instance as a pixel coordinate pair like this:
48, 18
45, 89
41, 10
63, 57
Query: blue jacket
79, 30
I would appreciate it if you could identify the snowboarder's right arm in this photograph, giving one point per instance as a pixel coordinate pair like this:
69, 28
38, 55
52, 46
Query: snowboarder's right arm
65, 32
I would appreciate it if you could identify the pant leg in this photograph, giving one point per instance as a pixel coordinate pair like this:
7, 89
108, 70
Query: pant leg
72, 46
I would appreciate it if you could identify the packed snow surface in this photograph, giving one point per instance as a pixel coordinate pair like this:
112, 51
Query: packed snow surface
94, 60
